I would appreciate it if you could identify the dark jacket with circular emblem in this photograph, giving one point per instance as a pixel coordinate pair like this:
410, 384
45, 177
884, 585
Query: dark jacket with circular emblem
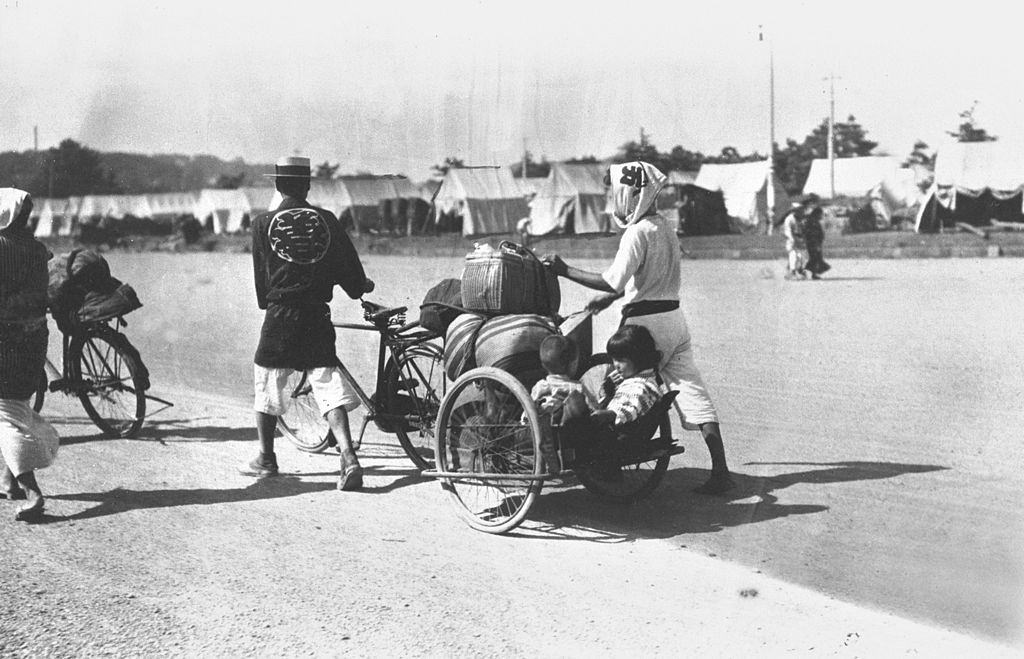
299, 253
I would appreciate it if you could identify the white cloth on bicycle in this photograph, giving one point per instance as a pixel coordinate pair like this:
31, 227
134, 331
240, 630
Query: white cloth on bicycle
27, 440
330, 389
677, 368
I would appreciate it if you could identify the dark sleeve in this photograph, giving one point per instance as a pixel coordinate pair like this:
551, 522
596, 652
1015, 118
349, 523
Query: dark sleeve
259, 263
348, 270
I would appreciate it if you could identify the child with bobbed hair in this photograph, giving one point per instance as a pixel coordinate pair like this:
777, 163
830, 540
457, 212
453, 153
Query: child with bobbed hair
558, 396
634, 378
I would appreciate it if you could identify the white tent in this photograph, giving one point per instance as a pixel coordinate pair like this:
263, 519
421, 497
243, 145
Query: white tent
487, 198
531, 185
869, 176
329, 194
48, 215
974, 183
170, 205
572, 199
115, 207
225, 209
743, 186
258, 199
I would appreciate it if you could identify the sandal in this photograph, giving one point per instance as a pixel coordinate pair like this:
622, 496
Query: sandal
30, 514
351, 478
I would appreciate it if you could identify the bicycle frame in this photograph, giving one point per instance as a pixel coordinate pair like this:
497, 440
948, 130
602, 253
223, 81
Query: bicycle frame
393, 340
60, 380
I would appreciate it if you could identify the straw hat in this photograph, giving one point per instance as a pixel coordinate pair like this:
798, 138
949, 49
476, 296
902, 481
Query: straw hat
291, 167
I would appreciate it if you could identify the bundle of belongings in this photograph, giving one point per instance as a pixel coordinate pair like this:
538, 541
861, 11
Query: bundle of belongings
497, 313
82, 290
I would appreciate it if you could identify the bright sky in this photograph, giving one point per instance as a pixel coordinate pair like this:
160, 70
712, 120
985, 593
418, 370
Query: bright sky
392, 86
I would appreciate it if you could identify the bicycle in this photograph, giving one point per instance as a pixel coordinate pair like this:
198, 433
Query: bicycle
406, 397
105, 371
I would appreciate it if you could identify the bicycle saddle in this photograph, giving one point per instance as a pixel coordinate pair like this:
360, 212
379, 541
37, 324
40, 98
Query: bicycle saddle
375, 313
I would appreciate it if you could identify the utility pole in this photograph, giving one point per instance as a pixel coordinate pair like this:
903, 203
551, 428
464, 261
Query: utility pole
523, 174
831, 136
770, 175
35, 138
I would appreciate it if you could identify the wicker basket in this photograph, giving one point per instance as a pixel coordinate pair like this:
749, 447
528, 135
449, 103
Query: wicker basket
509, 280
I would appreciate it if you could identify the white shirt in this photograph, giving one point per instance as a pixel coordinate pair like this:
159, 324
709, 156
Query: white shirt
646, 266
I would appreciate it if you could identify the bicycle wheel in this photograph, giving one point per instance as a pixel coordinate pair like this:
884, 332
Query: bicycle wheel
487, 428
414, 385
103, 366
613, 480
303, 424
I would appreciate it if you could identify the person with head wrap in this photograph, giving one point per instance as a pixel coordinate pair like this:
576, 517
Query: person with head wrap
646, 273
27, 441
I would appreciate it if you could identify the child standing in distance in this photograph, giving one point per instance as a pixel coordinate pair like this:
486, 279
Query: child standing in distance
793, 231
558, 396
636, 359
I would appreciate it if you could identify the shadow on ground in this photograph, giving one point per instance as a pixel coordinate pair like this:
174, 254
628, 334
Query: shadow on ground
161, 431
673, 509
119, 500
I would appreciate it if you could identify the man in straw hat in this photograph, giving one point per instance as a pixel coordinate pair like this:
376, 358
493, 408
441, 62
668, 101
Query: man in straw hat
299, 252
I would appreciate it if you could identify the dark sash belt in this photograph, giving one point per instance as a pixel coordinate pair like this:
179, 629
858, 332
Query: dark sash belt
648, 307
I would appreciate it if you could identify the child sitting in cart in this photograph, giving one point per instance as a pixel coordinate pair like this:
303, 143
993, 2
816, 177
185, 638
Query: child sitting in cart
636, 389
558, 397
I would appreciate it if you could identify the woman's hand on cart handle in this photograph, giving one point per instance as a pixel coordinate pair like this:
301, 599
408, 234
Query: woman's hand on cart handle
601, 302
556, 264
368, 285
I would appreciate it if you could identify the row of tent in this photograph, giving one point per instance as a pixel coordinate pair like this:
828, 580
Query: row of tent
572, 199
365, 202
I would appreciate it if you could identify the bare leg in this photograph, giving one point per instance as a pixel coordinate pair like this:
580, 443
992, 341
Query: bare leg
34, 507
265, 463
720, 480
350, 476
266, 425
9, 488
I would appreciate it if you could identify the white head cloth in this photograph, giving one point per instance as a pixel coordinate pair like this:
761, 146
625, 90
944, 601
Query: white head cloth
11, 201
635, 186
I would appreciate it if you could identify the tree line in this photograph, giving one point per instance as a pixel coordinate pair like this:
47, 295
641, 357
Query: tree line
73, 169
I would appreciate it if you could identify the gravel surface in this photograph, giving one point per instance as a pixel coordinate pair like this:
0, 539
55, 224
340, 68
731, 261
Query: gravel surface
872, 420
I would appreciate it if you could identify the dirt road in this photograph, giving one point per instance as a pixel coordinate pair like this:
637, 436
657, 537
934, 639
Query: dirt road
873, 421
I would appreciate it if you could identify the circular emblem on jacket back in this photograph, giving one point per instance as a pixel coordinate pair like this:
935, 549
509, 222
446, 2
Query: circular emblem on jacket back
299, 235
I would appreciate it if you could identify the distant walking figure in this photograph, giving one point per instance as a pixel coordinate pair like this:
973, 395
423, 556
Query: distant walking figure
814, 236
793, 231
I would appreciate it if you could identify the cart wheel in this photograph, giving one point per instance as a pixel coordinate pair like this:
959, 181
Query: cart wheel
487, 425
630, 482
303, 424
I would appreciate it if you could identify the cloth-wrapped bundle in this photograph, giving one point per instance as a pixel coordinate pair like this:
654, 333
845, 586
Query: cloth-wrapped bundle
512, 343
